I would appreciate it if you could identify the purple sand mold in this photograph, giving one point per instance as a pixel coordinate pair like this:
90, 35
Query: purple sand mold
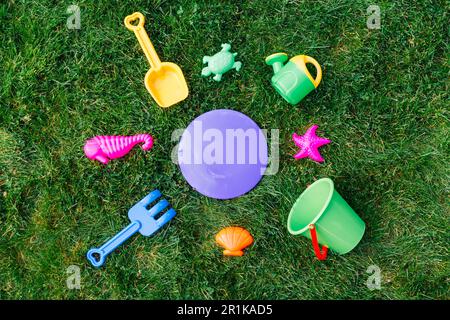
229, 178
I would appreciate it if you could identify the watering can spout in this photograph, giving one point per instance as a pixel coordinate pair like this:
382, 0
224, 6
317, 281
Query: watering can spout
277, 61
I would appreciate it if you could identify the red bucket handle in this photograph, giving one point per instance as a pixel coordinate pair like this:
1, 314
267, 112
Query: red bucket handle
320, 254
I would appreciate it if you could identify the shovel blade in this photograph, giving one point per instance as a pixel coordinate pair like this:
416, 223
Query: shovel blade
166, 84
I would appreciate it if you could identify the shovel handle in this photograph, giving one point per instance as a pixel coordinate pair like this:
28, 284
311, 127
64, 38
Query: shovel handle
320, 254
143, 38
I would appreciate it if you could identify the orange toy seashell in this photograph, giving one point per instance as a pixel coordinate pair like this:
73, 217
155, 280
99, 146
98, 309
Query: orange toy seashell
234, 239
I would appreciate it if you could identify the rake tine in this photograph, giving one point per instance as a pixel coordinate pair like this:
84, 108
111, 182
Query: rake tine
166, 217
157, 208
152, 196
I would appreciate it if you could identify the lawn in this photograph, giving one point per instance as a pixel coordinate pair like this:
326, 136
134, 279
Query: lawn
383, 102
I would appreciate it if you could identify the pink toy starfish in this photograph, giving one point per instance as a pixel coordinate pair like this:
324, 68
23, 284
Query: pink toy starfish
309, 144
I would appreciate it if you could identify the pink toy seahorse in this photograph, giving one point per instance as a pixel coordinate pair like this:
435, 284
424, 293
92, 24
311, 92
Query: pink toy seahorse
105, 148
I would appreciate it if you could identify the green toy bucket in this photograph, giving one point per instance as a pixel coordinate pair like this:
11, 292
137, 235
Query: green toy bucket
322, 215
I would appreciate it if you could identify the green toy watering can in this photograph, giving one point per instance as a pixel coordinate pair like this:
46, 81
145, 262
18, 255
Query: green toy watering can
322, 215
293, 80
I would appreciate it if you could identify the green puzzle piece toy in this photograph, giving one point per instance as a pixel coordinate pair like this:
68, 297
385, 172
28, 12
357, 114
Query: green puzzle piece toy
220, 63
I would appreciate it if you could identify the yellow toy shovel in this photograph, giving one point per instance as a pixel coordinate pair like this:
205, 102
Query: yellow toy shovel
164, 80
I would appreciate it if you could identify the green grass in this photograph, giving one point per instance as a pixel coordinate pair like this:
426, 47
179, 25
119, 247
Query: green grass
383, 102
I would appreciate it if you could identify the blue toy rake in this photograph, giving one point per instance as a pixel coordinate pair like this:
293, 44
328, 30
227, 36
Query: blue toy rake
142, 220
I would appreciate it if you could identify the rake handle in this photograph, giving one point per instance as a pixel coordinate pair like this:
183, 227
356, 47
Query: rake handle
97, 256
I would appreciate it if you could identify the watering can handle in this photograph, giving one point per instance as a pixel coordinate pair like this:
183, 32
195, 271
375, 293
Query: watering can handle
143, 38
313, 61
320, 254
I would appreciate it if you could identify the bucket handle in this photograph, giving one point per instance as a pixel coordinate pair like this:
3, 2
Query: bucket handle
320, 254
